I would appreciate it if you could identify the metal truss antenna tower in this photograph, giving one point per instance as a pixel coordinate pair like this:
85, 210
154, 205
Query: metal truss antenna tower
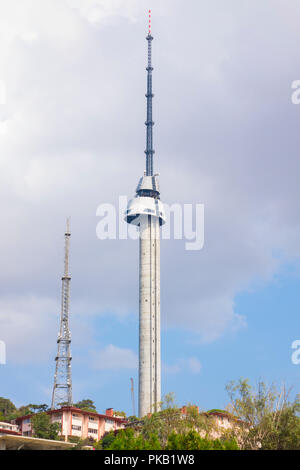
62, 388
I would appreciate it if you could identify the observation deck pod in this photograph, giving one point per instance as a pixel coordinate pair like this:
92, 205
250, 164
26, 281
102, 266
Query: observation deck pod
146, 202
148, 186
143, 205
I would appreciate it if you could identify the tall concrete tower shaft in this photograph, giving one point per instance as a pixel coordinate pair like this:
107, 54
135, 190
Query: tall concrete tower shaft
149, 325
62, 388
147, 212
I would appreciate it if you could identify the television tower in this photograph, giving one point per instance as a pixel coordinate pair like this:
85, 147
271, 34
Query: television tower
146, 211
62, 389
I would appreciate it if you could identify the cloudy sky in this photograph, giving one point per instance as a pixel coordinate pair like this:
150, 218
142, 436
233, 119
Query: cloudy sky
72, 137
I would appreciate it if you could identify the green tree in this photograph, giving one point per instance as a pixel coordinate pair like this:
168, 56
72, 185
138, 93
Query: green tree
193, 441
7, 407
43, 428
122, 414
37, 408
269, 420
170, 419
80, 443
8, 411
86, 405
106, 441
128, 439
132, 419
169, 429
22, 411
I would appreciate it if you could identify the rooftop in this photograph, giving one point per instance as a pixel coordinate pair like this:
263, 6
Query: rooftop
73, 409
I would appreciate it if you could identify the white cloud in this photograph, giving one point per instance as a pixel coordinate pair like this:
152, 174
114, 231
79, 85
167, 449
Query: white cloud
72, 137
25, 323
194, 365
114, 358
29, 326
191, 364
96, 11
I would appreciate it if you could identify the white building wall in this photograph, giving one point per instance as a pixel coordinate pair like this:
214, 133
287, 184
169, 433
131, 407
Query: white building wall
66, 423
9, 426
109, 425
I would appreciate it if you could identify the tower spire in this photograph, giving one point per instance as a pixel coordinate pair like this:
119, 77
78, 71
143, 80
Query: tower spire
149, 95
146, 211
62, 388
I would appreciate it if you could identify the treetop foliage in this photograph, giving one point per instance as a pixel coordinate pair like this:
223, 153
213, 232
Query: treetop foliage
271, 420
43, 428
86, 405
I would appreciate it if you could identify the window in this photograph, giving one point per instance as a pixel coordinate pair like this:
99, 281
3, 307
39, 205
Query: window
6, 426
75, 415
91, 418
76, 428
26, 421
56, 417
93, 431
109, 421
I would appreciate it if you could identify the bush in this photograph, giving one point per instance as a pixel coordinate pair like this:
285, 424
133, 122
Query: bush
127, 439
193, 441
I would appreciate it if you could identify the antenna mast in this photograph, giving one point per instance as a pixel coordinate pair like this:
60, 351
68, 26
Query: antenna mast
62, 389
149, 95
132, 396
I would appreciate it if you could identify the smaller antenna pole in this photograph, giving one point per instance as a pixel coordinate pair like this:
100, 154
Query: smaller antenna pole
132, 396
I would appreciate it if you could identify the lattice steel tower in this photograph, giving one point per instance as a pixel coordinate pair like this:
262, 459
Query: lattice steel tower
62, 389
146, 211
